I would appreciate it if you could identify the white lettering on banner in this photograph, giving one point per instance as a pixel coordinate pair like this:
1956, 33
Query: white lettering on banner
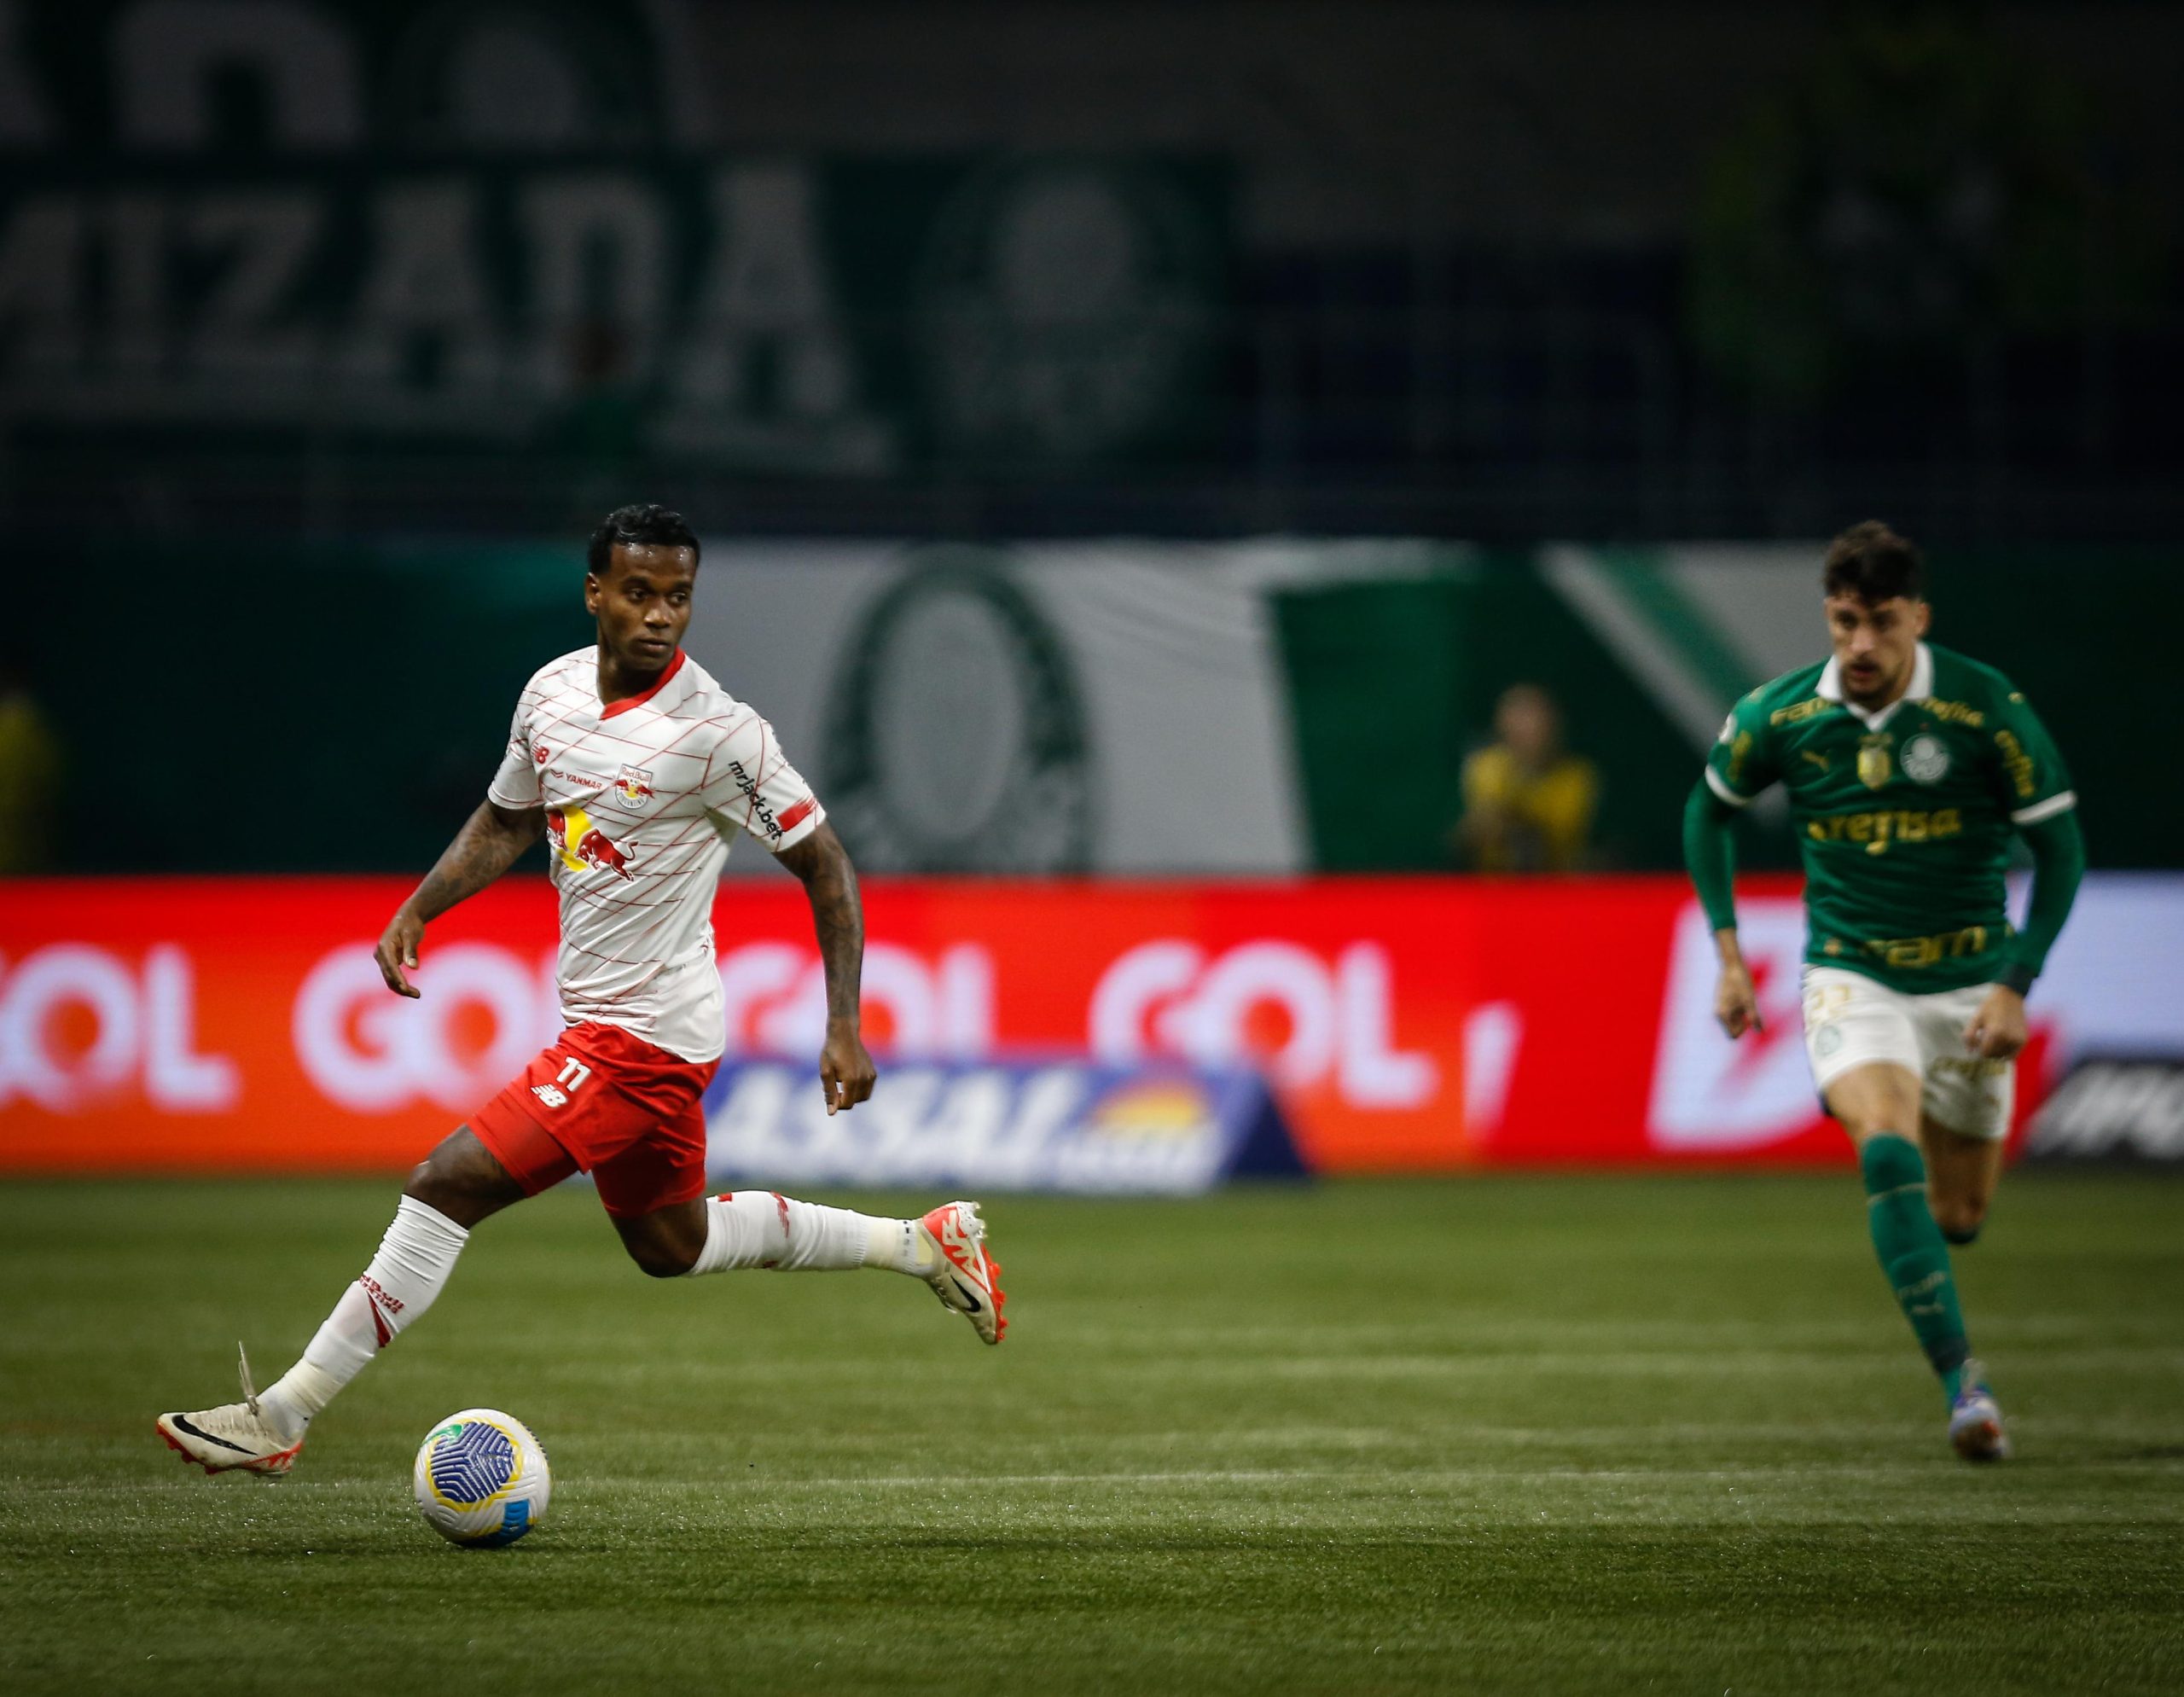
1373, 1074
1169, 995
1208, 1022
175, 1077
1148, 974
775, 997
1711, 1094
143, 1031
1492, 1035
1003, 1128
374, 1052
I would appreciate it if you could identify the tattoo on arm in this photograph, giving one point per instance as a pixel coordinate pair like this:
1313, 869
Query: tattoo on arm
486, 847
837, 915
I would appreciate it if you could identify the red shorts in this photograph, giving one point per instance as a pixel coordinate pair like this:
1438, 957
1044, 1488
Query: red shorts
608, 1103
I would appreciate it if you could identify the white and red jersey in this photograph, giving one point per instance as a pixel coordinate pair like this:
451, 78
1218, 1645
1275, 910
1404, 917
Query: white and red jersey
642, 798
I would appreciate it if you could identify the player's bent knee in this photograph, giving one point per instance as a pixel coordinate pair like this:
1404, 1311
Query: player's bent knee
462, 1180
1961, 1218
427, 1184
662, 1260
1881, 1100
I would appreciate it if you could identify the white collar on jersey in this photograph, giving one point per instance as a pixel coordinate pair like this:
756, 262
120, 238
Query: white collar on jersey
1830, 689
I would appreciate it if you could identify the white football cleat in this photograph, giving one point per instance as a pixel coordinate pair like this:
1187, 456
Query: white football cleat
1975, 1419
233, 1435
964, 1277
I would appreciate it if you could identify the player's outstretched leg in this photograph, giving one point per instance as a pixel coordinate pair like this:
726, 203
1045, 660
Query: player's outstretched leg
1911, 1251
1914, 1256
761, 1229
459, 1184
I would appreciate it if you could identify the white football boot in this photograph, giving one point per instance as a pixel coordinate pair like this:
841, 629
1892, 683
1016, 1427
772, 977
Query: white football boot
964, 1277
233, 1435
1975, 1419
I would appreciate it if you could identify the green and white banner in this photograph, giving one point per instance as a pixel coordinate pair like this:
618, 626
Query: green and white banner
1140, 707
1145, 707
1125, 707
1067, 707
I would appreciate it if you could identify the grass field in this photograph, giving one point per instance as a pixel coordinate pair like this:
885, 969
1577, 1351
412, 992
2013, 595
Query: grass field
1524, 1435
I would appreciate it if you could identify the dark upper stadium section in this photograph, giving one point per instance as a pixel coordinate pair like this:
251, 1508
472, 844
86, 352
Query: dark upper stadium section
1493, 270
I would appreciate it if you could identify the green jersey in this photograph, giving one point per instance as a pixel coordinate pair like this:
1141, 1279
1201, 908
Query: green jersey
1904, 815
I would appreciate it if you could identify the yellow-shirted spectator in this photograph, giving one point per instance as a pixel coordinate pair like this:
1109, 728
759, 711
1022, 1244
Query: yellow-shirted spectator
1528, 803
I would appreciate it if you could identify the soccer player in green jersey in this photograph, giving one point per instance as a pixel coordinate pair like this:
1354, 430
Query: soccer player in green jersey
1909, 768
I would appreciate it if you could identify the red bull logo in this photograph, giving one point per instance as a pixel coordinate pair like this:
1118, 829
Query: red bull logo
634, 784
593, 849
578, 844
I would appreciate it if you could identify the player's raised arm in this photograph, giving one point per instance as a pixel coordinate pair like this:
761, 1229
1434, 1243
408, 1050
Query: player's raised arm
1737, 770
488, 844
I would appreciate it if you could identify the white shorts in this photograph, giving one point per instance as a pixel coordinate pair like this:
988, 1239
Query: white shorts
1853, 1020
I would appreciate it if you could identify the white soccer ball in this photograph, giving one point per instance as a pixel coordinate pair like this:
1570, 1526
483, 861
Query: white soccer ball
482, 1480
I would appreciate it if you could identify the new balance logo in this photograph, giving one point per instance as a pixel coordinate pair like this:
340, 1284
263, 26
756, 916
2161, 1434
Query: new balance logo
573, 1072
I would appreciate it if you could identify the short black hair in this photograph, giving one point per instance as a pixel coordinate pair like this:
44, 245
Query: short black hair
1871, 562
642, 523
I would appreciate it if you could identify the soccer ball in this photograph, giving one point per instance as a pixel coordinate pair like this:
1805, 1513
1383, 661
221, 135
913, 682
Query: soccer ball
481, 1479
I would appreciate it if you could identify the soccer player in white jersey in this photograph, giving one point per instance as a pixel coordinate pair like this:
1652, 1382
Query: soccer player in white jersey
637, 769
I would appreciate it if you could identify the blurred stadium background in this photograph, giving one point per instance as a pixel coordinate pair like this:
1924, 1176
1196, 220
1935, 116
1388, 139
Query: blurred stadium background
1134, 442
1138, 446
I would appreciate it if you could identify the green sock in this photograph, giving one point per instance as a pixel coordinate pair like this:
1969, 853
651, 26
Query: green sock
1913, 1252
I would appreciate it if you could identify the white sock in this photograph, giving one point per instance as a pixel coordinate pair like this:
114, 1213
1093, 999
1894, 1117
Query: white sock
411, 1268
761, 1228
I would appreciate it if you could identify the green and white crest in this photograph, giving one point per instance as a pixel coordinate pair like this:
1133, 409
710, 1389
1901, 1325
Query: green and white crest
1924, 759
956, 739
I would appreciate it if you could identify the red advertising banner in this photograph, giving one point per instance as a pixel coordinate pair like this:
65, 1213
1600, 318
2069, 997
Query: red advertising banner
1405, 1023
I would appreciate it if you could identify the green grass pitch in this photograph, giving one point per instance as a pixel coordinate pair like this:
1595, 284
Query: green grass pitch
1547, 1435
